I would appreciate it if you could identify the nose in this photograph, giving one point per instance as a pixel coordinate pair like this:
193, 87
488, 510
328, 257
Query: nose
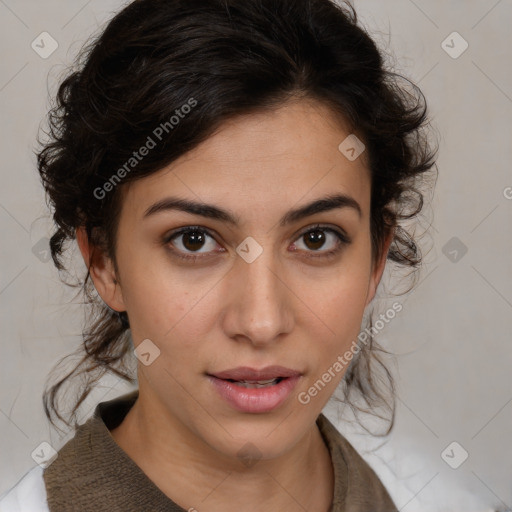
260, 306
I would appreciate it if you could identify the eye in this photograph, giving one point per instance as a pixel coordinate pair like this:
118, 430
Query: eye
192, 238
318, 237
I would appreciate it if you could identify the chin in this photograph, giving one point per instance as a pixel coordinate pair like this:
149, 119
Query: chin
256, 437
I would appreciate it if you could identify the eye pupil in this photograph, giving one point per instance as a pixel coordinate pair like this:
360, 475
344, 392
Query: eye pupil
317, 237
193, 240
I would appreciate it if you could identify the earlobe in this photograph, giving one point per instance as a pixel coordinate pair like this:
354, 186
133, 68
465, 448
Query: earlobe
102, 271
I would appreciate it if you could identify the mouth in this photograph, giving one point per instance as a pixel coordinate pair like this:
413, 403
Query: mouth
255, 391
246, 374
255, 384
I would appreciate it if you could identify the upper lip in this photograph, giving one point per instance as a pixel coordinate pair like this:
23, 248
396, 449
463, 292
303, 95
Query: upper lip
246, 373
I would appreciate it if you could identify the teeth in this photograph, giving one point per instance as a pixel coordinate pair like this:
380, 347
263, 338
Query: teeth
257, 383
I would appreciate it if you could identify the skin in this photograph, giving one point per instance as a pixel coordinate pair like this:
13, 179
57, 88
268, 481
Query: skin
285, 308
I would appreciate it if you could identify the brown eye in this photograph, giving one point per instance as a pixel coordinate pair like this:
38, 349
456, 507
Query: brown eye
193, 240
189, 241
317, 238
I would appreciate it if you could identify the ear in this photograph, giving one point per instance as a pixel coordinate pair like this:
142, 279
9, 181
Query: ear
102, 271
378, 268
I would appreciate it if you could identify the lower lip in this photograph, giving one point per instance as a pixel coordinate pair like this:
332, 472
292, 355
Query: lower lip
255, 400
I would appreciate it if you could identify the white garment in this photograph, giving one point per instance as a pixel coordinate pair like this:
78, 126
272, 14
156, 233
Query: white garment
28, 495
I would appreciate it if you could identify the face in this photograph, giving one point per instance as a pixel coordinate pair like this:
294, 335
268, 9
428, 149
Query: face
277, 293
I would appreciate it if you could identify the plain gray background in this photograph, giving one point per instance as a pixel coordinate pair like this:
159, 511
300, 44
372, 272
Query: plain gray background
452, 338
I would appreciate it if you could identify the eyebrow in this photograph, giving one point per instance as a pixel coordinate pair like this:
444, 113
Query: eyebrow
324, 204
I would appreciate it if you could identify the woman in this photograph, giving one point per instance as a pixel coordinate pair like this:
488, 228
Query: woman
234, 173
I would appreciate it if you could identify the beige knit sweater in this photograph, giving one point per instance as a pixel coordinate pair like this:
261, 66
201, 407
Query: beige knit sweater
92, 473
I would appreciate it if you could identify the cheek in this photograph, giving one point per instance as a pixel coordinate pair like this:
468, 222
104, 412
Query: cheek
347, 284
343, 309
342, 313
165, 302
158, 308
340, 303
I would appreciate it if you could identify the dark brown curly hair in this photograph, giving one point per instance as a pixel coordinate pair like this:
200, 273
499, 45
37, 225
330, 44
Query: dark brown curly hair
234, 57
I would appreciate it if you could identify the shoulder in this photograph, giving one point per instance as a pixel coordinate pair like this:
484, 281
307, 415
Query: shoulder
28, 495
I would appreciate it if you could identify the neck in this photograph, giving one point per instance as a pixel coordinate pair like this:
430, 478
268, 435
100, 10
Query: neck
183, 466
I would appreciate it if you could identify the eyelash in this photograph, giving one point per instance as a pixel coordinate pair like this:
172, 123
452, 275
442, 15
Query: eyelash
342, 238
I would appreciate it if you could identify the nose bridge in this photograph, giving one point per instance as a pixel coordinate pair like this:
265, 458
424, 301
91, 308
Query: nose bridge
261, 309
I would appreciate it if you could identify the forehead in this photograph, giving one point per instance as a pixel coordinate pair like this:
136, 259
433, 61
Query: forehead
261, 161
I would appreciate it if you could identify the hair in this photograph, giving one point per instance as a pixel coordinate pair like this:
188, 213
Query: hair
227, 58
